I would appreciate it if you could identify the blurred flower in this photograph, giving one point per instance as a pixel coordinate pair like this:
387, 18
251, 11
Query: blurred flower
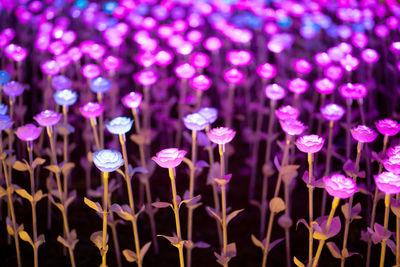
50, 67
91, 71
340, 186
302, 66
65, 97
5, 122
322, 59
169, 158
353, 91
210, 114
28, 132
3, 109
4, 77
266, 71
119, 125
107, 160
332, 112
392, 164
310, 143
146, 77
292, 127
100, 85
287, 113
200, 60
388, 127
370, 55
363, 134
324, 86
195, 122
349, 63
298, 86
239, 57
185, 71
47, 118
221, 135
388, 182
60, 82
233, 76
200, 83
13, 89
393, 151
132, 100
92, 110
274, 91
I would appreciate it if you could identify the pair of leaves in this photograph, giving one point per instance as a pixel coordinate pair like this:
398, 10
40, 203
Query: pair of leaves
24, 166
230, 253
355, 211
65, 168
174, 240
123, 211
261, 244
25, 236
93, 205
336, 253
131, 256
212, 213
36, 198
97, 239
10, 227
378, 233
320, 226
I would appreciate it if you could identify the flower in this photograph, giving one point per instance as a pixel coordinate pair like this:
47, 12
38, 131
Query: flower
200, 83
370, 55
287, 113
239, 57
119, 125
393, 151
100, 85
3, 109
388, 127
332, 112
266, 71
107, 160
4, 77
13, 89
91, 71
363, 134
47, 118
5, 122
28, 132
340, 186
195, 122
310, 143
169, 158
302, 66
274, 91
349, 63
65, 97
292, 127
392, 164
92, 110
146, 77
298, 86
185, 71
210, 114
324, 86
233, 76
388, 182
221, 135
353, 91
132, 100
50, 67
61, 82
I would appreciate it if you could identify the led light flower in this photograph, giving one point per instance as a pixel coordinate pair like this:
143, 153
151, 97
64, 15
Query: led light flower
13, 89
132, 100
266, 71
310, 143
119, 125
333, 72
363, 134
195, 122
340, 186
292, 127
233, 76
324, 86
370, 55
91, 71
322, 59
298, 86
65, 97
393, 151
169, 158
47, 118
111, 63
107, 160
60, 82
4, 77
388, 182
146, 77
5, 122
28, 132
100, 85
200, 83
200, 60
287, 113
3, 109
92, 110
221, 135
392, 164
388, 127
274, 91
185, 71
239, 57
302, 66
353, 91
210, 114
50, 67
332, 112
349, 63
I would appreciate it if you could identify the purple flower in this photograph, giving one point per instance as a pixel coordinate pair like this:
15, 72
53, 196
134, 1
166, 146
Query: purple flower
169, 158
287, 113
274, 91
298, 86
195, 122
119, 125
100, 85
292, 127
388, 127
210, 114
332, 112
310, 143
392, 164
233, 76
28, 132
13, 89
266, 71
353, 91
340, 186
324, 86
388, 182
60, 82
221, 135
363, 134
47, 118
132, 100
5, 122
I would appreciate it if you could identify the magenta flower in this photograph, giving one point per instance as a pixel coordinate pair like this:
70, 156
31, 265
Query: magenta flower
302, 66
185, 71
221, 135
91, 71
132, 100
266, 71
392, 164
388, 127
239, 57
91, 110
292, 127
274, 91
310, 143
393, 151
233, 76
370, 55
332, 112
363, 134
349, 63
146, 77
324, 86
322, 59
388, 182
169, 158
298, 86
111, 63
340, 186
287, 113
353, 91
47, 118
50, 67
333, 72
200, 83
200, 60
28, 132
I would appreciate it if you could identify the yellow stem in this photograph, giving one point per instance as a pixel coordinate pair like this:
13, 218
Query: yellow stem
221, 150
224, 225
96, 136
105, 207
310, 208
385, 226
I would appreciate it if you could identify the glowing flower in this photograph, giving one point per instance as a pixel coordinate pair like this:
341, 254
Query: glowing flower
13, 89
195, 122
332, 112
393, 151
146, 77
298, 86
292, 127
100, 85
340, 186
324, 86
5, 122
200, 83
111, 63
132, 100
50, 67
302, 66
185, 71
119, 125
349, 63
4, 77
388, 127
310, 143
239, 57
92, 110
60, 82
353, 90
274, 91
91, 71
47, 118
370, 55
210, 114
333, 72
221, 135
233, 76
392, 164
107, 160
3, 109
65, 97
200, 60
322, 59
28, 132
287, 113
169, 158
388, 182
363, 134
266, 71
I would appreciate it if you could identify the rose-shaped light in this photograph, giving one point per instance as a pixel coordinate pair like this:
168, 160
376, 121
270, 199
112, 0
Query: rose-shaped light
185, 71
132, 100
111, 63
65, 97
298, 86
388, 127
287, 113
370, 55
324, 86
239, 57
5, 122
363, 134
333, 72
388, 182
292, 127
200, 83
100, 85
47, 118
393, 151
200, 60
274, 92
195, 122
302, 66
332, 112
266, 71
310, 143
60, 82
392, 164
210, 114
91, 71
107, 160
221, 135
92, 110
233, 76
119, 125
169, 158
340, 186
349, 63
50, 67
322, 59
146, 77
28, 132
13, 89
353, 91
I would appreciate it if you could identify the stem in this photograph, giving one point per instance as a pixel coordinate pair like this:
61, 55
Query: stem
221, 150
348, 122
96, 136
181, 110
215, 193
65, 152
224, 225
310, 207
101, 119
229, 115
198, 99
385, 226
287, 232
327, 164
105, 207
33, 204
397, 234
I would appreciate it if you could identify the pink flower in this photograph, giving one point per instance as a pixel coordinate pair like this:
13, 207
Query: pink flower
292, 127
146, 77
302, 66
298, 86
91, 71
169, 158
370, 56
132, 100
200, 83
200, 60
324, 86
274, 91
332, 112
310, 143
333, 72
47, 118
353, 91
392, 164
185, 71
349, 63
287, 113
388, 127
233, 76
266, 71
28, 132
92, 110
393, 151
322, 59
340, 186
111, 63
239, 58
363, 134
388, 182
50, 67
221, 135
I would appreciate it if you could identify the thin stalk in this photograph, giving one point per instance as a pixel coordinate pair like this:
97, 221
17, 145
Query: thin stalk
181, 110
221, 150
33, 204
287, 231
310, 207
397, 235
95, 134
385, 226
362, 113
348, 122
230, 111
224, 225
101, 122
105, 208
198, 99
327, 164
65, 150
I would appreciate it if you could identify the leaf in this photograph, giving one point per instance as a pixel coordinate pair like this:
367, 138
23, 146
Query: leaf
66, 168
20, 166
144, 250
232, 215
303, 221
211, 212
37, 162
96, 206
277, 205
139, 169
123, 211
395, 209
257, 242
53, 168
201, 244
63, 241
129, 255
161, 205
38, 196
298, 263
3, 192
345, 210
97, 239
172, 239
276, 242
231, 250
40, 241
25, 236
203, 139
334, 250
23, 193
